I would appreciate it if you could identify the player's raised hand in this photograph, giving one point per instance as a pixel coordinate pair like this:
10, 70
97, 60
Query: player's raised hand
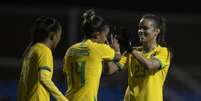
114, 43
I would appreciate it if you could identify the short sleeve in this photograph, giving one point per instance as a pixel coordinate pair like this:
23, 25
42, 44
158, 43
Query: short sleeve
107, 52
122, 62
163, 56
45, 60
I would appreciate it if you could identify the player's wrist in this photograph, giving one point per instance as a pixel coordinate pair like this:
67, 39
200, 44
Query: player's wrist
117, 52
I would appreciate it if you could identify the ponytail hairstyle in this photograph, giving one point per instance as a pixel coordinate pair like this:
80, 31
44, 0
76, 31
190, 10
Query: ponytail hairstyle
160, 23
42, 27
92, 23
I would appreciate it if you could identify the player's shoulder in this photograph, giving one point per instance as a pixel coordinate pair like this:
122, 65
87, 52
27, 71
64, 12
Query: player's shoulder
162, 48
41, 49
74, 45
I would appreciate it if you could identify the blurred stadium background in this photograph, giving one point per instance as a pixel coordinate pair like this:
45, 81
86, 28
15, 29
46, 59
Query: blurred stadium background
183, 82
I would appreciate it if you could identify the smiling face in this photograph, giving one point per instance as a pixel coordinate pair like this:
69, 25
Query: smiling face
147, 31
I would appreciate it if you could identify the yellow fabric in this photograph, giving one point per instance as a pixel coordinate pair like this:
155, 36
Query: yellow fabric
36, 74
144, 85
83, 68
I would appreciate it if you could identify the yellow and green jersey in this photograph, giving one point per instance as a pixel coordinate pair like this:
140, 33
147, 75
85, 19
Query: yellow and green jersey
144, 85
37, 65
83, 68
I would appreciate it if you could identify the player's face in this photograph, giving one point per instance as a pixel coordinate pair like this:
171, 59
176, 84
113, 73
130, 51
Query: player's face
104, 34
146, 31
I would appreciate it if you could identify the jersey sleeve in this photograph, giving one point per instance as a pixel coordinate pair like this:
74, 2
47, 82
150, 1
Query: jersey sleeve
45, 61
122, 62
107, 52
45, 70
163, 56
50, 86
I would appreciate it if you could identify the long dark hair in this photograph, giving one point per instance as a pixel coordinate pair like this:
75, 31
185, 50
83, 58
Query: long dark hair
160, 23
92, 23
42, 27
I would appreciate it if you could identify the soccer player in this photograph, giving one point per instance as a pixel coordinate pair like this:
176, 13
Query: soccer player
147, 64
37, 66
83, 60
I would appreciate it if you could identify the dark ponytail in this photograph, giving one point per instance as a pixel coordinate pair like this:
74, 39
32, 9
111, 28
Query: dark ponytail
92, 23
42, 27
41, 30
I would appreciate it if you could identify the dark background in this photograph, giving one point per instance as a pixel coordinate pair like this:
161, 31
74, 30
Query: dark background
183, 34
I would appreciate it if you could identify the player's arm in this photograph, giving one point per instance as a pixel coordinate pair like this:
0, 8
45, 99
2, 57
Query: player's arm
149, 64
45, 80
110, 68
114, 65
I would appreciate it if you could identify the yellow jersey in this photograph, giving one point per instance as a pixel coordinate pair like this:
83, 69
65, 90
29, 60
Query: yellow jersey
36, 62
83, 68
142, 84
